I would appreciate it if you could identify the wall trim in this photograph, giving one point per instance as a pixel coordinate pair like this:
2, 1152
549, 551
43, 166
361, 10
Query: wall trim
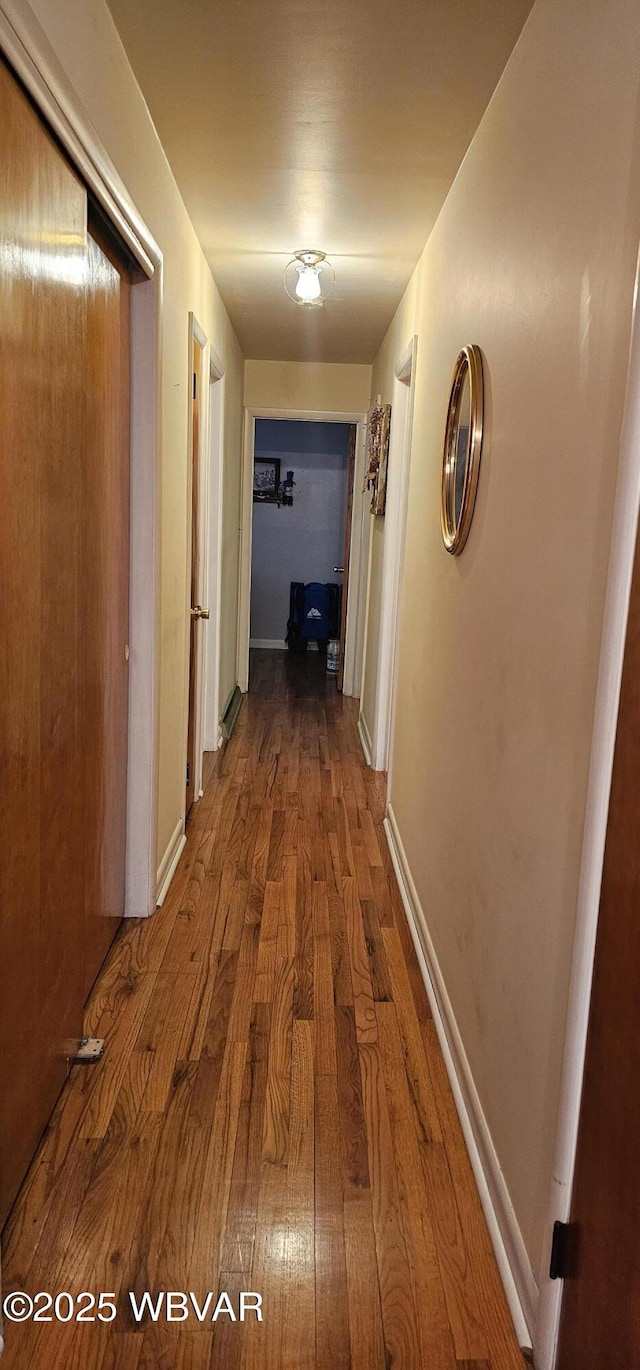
216, 365
144, 599
358, 570
605, 723
402, 405
365, 739
213, 496
513, 1263
231, 712
25, 44
229, 698
196, 333
269, 642
167, 867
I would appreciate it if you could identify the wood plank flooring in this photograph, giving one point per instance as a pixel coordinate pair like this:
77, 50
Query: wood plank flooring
272, 1113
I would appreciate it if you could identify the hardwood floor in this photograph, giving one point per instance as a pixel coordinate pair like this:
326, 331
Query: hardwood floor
272, 1113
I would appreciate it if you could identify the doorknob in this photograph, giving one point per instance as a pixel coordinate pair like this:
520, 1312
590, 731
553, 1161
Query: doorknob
338, 570
198, 612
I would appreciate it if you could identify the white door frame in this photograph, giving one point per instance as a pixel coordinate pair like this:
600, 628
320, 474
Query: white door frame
358, 571
212, 736
605, 722
31, 56
393, 556
357, 567
197, 334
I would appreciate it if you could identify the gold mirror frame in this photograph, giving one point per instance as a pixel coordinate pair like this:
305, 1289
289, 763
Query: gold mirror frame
456, 531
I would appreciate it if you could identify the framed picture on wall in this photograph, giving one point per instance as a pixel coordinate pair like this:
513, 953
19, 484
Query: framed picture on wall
266, 479
378, 429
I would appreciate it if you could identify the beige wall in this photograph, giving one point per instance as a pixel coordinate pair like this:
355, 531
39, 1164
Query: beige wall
89, 49
327, 386
533, 258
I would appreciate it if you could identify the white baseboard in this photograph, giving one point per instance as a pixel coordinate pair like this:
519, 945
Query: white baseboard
231, 694
166, 869
513, 1262
365, 739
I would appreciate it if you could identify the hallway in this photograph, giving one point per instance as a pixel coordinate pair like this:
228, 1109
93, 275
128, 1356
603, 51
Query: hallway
272, 1112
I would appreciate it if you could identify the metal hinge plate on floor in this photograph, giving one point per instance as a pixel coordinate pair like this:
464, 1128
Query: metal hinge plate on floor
90, 1050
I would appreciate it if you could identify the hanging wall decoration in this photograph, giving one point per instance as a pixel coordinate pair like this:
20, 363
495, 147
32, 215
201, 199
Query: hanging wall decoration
266, 480
378, 430
462, 449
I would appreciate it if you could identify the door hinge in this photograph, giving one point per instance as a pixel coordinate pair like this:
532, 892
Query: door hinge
90, 1050
188, 774
195, 382
560, 1243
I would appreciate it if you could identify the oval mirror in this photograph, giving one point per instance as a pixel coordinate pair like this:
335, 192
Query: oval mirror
462, 449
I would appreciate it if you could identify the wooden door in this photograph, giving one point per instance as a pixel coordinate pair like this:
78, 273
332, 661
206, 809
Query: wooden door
353, 433
196, 609
600, 1322
50, 603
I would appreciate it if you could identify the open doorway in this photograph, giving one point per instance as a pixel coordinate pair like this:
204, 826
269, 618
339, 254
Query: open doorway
303, 475
347, 547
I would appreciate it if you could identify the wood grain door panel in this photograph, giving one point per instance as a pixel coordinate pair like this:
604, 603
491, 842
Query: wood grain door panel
62, 727
42, 313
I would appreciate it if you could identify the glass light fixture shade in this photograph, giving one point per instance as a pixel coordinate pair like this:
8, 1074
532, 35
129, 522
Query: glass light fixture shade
309, 278
308, 288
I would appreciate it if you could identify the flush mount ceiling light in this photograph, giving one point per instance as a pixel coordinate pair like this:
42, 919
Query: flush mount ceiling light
309, 278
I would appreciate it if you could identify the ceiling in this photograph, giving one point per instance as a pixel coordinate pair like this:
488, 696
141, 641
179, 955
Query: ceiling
339, 126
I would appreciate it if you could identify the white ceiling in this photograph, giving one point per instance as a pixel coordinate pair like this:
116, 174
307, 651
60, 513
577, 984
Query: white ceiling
339, 126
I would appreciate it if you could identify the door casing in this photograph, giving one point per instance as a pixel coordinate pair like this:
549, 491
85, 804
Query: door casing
212, 542
195, 501
357, 564
208, 529
346, 556
598, 1325
612, 650
393, 556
